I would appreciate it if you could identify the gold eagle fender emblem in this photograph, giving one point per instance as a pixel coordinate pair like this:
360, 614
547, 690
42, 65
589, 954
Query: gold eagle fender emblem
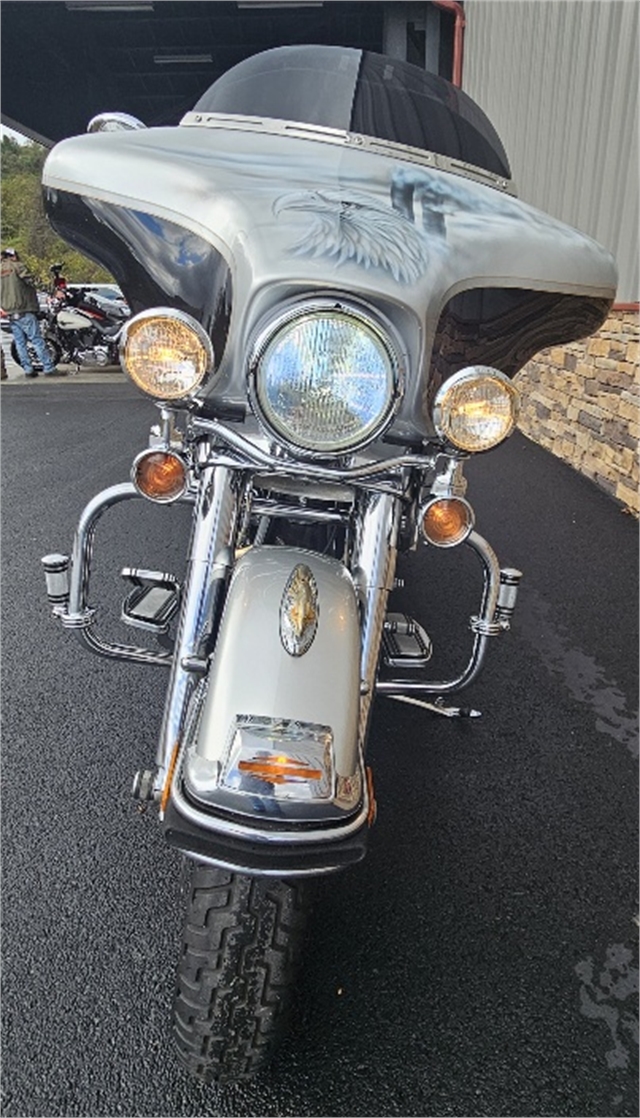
299, 611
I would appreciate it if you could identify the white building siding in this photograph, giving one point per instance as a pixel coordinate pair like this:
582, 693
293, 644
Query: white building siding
559, 80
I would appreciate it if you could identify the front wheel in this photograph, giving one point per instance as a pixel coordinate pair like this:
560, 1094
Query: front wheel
241, 951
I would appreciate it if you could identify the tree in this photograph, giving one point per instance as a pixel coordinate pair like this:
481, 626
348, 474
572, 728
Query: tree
24, 223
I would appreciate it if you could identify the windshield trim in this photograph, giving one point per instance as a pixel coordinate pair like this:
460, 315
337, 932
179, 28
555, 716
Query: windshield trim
388, 148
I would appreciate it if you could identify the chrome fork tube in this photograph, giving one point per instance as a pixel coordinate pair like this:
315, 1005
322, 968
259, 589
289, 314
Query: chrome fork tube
211, 555
375, 553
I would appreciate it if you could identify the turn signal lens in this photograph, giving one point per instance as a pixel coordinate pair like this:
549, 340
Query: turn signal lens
447, 521
280, 769
159, 475
166, 353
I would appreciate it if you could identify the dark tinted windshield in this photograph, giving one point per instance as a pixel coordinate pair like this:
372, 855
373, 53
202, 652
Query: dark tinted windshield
358, 91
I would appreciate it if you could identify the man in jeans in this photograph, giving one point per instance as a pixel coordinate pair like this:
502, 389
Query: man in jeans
19, 300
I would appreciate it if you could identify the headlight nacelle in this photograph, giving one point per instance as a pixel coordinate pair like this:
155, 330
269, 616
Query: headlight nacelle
324, 377
476, 409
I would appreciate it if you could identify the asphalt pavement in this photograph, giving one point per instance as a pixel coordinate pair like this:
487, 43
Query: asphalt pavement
482, 960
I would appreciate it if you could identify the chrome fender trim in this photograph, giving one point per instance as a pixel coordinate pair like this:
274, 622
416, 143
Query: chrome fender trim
255, 834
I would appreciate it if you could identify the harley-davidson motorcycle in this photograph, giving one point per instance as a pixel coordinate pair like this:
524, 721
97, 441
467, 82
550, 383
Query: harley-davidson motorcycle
76, 330
332, 285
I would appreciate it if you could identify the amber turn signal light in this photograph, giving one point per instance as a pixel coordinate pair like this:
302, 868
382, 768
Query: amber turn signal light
447, 521
160, 475
280, 769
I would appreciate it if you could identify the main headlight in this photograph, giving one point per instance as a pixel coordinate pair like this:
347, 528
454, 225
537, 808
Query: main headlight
476, 408
324, 377
166, 353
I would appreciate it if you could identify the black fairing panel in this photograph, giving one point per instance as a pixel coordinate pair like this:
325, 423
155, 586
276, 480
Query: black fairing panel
505, 327
155, 262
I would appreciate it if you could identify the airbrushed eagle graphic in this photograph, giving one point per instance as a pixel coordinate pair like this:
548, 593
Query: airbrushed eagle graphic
405, 236
359, 227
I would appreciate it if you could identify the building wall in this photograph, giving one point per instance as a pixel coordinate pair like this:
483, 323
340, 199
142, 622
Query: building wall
581, 402
559, 80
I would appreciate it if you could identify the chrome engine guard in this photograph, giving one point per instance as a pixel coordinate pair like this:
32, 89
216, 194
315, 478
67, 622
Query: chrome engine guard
210, 561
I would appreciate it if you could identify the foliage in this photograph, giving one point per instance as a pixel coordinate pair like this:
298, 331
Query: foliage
24, 224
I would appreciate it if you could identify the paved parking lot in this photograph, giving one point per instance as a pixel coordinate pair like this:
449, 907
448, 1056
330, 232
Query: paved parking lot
482, 960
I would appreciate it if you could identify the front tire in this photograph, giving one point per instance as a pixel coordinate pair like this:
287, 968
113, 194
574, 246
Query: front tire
241, 951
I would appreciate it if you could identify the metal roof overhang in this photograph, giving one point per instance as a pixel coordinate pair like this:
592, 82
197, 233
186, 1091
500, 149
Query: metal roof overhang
64, 62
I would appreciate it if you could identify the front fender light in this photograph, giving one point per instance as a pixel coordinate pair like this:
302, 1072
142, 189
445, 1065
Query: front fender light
476, 408
166, 353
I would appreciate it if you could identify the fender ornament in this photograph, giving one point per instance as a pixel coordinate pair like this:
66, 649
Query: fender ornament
299, 611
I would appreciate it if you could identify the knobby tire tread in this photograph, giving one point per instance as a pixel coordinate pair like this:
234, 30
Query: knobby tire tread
241, 949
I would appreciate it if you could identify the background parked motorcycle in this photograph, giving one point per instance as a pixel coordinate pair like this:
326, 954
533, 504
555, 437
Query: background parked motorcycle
107, 296
77, 329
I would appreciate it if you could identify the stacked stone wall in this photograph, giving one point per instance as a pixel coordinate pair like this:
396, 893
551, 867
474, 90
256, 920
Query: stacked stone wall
582, 402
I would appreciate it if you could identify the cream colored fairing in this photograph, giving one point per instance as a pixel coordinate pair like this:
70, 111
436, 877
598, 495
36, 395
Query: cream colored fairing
297, 214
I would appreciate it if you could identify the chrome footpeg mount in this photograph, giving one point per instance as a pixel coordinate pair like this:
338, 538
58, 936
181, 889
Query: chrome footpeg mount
405, 644
152, 602
57, 576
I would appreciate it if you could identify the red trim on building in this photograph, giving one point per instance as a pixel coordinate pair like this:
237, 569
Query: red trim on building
458, 36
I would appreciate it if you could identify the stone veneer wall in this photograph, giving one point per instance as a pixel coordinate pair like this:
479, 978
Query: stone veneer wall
582, 402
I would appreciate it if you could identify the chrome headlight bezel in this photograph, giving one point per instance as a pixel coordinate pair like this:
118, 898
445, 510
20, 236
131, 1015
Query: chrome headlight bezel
373, 322
469, 375
184, 319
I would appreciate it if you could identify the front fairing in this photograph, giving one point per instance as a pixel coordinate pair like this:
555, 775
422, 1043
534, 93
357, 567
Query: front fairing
229, 218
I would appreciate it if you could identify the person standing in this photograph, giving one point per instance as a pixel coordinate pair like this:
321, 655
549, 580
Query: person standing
19, 299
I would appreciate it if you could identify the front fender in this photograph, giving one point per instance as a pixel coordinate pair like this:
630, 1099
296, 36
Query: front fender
261, 701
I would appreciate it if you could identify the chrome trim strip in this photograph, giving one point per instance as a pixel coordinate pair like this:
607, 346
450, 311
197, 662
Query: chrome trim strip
387, 148
482, 632
123, 122
240, 867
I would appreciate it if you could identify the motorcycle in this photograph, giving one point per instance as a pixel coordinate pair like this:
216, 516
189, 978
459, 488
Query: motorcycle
81, 330
76, 330
332, 284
